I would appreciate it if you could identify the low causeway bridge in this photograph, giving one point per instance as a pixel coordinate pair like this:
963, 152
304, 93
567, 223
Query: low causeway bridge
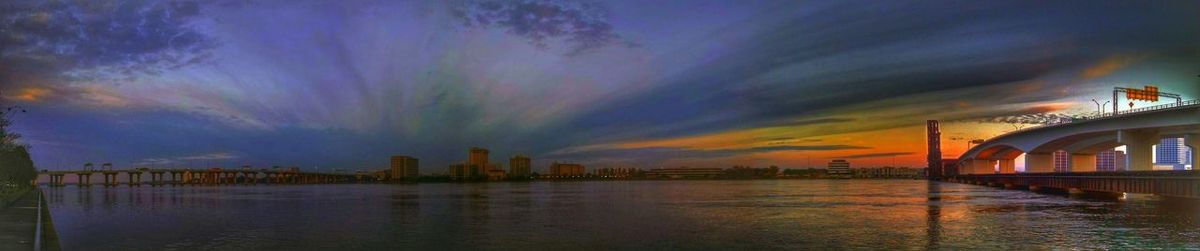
211, 176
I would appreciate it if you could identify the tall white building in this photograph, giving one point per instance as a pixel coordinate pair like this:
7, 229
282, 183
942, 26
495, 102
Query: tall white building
1171, 151
1062, 161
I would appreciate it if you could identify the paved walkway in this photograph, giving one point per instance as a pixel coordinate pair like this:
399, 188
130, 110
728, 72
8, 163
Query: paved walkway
18, 222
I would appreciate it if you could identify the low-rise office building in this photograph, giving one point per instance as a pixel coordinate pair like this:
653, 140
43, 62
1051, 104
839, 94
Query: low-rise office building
685, 173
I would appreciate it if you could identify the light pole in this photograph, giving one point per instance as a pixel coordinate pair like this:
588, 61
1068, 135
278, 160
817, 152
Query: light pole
1099, 107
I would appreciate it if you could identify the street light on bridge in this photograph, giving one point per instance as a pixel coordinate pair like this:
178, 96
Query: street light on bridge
1099, 107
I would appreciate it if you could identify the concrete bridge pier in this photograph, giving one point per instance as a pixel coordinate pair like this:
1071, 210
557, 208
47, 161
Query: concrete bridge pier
135, 178
1039, 163
251, 177
156, 178
1083, 162
58, 180
110, 179
1008, 166
1138, 148
85, 179
185, 178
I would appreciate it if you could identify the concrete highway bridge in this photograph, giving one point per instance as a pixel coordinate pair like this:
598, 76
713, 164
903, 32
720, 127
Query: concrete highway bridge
994, 161
211, 176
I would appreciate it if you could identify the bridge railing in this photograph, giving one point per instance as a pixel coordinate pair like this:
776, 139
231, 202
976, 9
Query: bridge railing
1143, 109
1107, 115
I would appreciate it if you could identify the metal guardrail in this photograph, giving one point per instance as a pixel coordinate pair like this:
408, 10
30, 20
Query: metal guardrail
1195, 102
1145, 109
37, 232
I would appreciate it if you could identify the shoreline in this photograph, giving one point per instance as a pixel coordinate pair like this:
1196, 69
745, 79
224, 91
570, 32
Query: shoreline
28, 225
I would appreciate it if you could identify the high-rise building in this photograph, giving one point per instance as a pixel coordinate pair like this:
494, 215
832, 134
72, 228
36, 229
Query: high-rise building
477, 156
1170, 152
404, 167
934, 154
839, 168
1062, 161
518, 166
1106, 161
565, 170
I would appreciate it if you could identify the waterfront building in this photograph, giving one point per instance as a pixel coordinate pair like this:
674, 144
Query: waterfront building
888, 172
805, 173
404, 167
743, 172
477, 156
495, 174
1170, 152
839, 168
1106, 161
685, 173
565, 170
617, 172
1062, 161
518, 166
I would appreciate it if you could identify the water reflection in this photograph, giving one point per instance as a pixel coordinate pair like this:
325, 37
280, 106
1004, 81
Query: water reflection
729, 215
933, 213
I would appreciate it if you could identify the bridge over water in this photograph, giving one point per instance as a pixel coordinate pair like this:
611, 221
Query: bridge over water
210, 176
994, 161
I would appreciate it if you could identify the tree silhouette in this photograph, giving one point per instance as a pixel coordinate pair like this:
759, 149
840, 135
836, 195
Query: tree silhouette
16, 168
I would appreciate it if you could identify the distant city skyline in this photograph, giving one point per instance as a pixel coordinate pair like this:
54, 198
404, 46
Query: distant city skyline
712, 84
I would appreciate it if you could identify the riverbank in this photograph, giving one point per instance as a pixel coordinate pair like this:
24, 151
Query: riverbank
21, 211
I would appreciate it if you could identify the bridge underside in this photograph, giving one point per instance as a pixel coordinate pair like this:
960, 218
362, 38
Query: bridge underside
1183, 184
1000, 156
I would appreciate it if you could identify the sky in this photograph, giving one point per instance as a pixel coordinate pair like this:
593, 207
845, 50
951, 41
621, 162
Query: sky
345, 84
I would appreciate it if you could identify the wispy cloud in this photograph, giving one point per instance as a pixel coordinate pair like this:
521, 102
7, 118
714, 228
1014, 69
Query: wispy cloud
1109, 65
874, 155
210, 156
180, 159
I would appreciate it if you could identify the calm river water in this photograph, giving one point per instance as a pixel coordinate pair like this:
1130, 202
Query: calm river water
629, 215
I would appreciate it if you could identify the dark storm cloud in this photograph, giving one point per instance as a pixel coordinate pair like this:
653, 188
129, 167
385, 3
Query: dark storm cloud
875, 155
864, 52
40, 39
652, 153
584, 26
814, 121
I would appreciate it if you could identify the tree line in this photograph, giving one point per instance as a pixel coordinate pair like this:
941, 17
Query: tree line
16, 167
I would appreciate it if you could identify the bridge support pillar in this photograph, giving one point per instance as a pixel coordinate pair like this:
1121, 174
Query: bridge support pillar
1039, 163
1008, 166
1083, 162
1139, 147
